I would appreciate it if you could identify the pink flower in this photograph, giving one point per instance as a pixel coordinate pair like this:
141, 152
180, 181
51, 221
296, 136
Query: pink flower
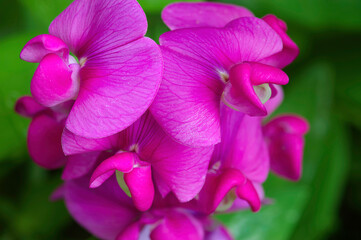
144, 152
118, 71
44, 138
285, 139
191, 15
247, 152
205, 66
108, 213
45, 130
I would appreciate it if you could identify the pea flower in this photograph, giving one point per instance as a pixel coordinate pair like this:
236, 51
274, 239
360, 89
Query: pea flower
189, 15
205, 66
108, 213
247, 152
144, 152
44, 138
117, 71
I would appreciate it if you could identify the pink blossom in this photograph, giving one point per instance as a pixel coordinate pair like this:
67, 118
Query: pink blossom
118, 71
144, 152
44, 138
108, 213
190, 15
205, 66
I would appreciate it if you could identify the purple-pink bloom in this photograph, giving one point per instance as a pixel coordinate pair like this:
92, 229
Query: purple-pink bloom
205, 66
190, 15
144, 152
285, 139
44, 138
45, 130
118, 71
108, 213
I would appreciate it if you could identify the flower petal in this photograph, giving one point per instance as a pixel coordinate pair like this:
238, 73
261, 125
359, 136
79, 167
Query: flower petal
196, 63
53, 81
79, 165
105, 211
187, 105
240, 92
94, 27
290, 50
218, 186
249, 152
178, 226
140, 184
182, 168
123, 162
117, 88
73, 144
26, 106
285, 137
190, 15
40, 46
44, 142
245, 39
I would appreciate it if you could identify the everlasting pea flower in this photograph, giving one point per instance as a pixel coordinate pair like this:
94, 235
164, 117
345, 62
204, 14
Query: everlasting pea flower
190, 15
44, 138
118, 71
45, 130
285, 139
239, 165
248, 150
108, 213
205, 66
144, 152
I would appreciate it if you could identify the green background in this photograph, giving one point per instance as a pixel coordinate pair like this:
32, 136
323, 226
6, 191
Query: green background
325, 87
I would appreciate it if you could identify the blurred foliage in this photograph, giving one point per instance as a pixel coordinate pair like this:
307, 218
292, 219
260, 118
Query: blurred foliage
325, 87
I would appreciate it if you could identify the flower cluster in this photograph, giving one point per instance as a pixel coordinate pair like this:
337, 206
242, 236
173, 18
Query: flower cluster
156, 138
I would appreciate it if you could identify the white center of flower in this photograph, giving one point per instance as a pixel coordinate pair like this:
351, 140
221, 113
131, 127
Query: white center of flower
263, 92
82, 61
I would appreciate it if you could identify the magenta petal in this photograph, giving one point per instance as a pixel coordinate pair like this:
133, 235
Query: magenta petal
130, 232
218, 186
247, 150
140, 184
27, 107
245, 39
44, 142
38, 47
248, 193
178, 226
290, 50
58, 193
94, 27
73, 144
189, 15
239, 92
179, 168
53, 82
105, 211
193, 91
79, 165
285, 137
219, 233
117, 88
123, 162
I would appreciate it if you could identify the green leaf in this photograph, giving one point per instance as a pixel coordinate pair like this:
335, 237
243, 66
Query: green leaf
15, 82
40, 13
